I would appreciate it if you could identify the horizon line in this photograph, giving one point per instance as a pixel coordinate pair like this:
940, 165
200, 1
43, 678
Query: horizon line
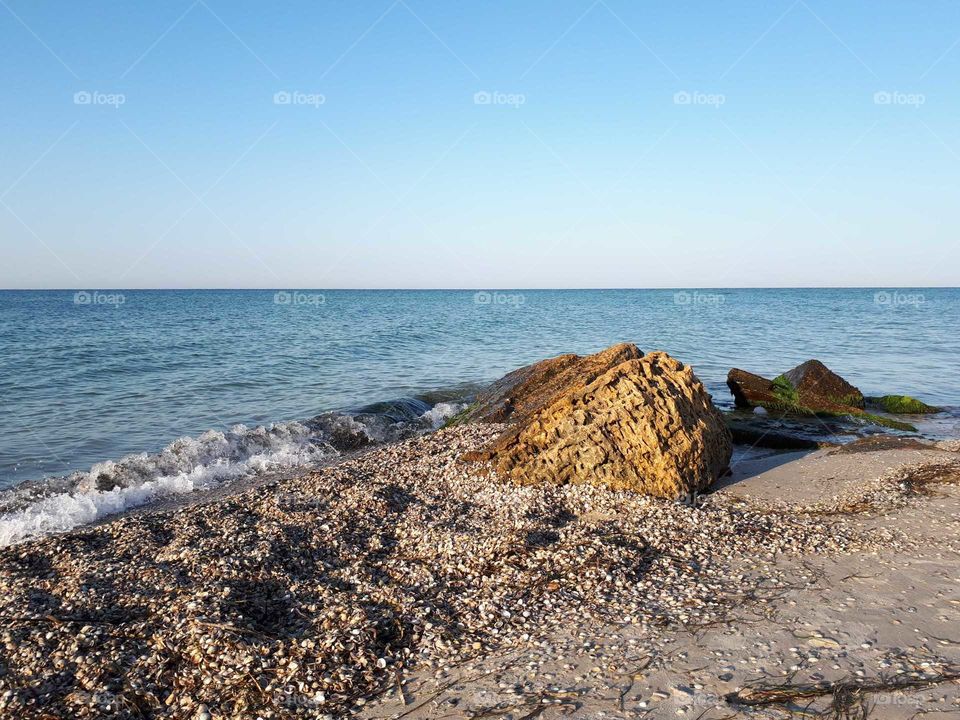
100, 288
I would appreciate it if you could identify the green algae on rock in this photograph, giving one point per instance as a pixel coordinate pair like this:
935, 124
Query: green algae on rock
902, 405
813, 390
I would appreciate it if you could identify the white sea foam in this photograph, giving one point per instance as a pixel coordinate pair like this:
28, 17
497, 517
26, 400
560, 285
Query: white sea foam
196, 463
186, 465
441, 412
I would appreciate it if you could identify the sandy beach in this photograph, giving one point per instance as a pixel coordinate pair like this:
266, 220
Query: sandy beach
882, 618
406, 583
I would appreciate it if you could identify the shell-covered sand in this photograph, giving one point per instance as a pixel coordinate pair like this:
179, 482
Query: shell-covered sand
405, 582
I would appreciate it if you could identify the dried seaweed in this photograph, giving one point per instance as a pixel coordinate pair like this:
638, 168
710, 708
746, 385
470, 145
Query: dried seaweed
849, 697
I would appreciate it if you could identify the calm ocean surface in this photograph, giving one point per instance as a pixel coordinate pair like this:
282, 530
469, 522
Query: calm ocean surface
98, 376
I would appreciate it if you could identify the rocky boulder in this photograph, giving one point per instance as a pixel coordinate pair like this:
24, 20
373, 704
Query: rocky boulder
751, 391
816, 382
619, 418
810, 389
519, 394
810, 385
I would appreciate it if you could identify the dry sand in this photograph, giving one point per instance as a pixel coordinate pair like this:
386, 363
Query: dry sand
888, 616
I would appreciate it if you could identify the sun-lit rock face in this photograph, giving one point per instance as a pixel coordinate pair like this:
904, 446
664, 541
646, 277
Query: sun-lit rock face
646, 423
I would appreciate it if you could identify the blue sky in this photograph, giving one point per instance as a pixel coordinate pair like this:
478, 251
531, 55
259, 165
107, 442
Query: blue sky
503, 144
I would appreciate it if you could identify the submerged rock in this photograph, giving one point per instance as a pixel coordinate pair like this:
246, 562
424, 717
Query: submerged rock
874, 443
901, 405
779, 434
646, 423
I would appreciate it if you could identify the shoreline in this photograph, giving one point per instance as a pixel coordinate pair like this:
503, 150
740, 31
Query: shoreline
402, 560
756, 458
747, 462
325, 440
213, 463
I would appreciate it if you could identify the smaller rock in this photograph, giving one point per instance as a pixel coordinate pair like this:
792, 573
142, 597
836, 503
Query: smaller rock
814, 379
810, 389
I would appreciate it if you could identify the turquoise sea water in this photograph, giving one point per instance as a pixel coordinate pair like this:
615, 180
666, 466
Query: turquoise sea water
91, 377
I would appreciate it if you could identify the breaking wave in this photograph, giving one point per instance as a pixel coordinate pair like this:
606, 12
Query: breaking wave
207, 461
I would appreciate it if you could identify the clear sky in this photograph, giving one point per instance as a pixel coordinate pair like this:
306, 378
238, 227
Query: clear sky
429, 143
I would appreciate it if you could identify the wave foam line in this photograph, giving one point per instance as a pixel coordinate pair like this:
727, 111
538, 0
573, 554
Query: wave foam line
191, 464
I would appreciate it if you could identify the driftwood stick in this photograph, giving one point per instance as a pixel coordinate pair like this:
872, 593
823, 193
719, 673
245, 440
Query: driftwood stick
783, 694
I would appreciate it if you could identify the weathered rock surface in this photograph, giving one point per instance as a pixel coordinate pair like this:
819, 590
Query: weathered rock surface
816, 381
749, 390
810, 389
519, 394
645, 424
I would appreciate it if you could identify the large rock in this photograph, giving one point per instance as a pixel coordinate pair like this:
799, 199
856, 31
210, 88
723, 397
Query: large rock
519, 394
646, 423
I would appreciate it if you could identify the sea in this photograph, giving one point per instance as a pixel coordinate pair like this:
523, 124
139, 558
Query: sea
113, 398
